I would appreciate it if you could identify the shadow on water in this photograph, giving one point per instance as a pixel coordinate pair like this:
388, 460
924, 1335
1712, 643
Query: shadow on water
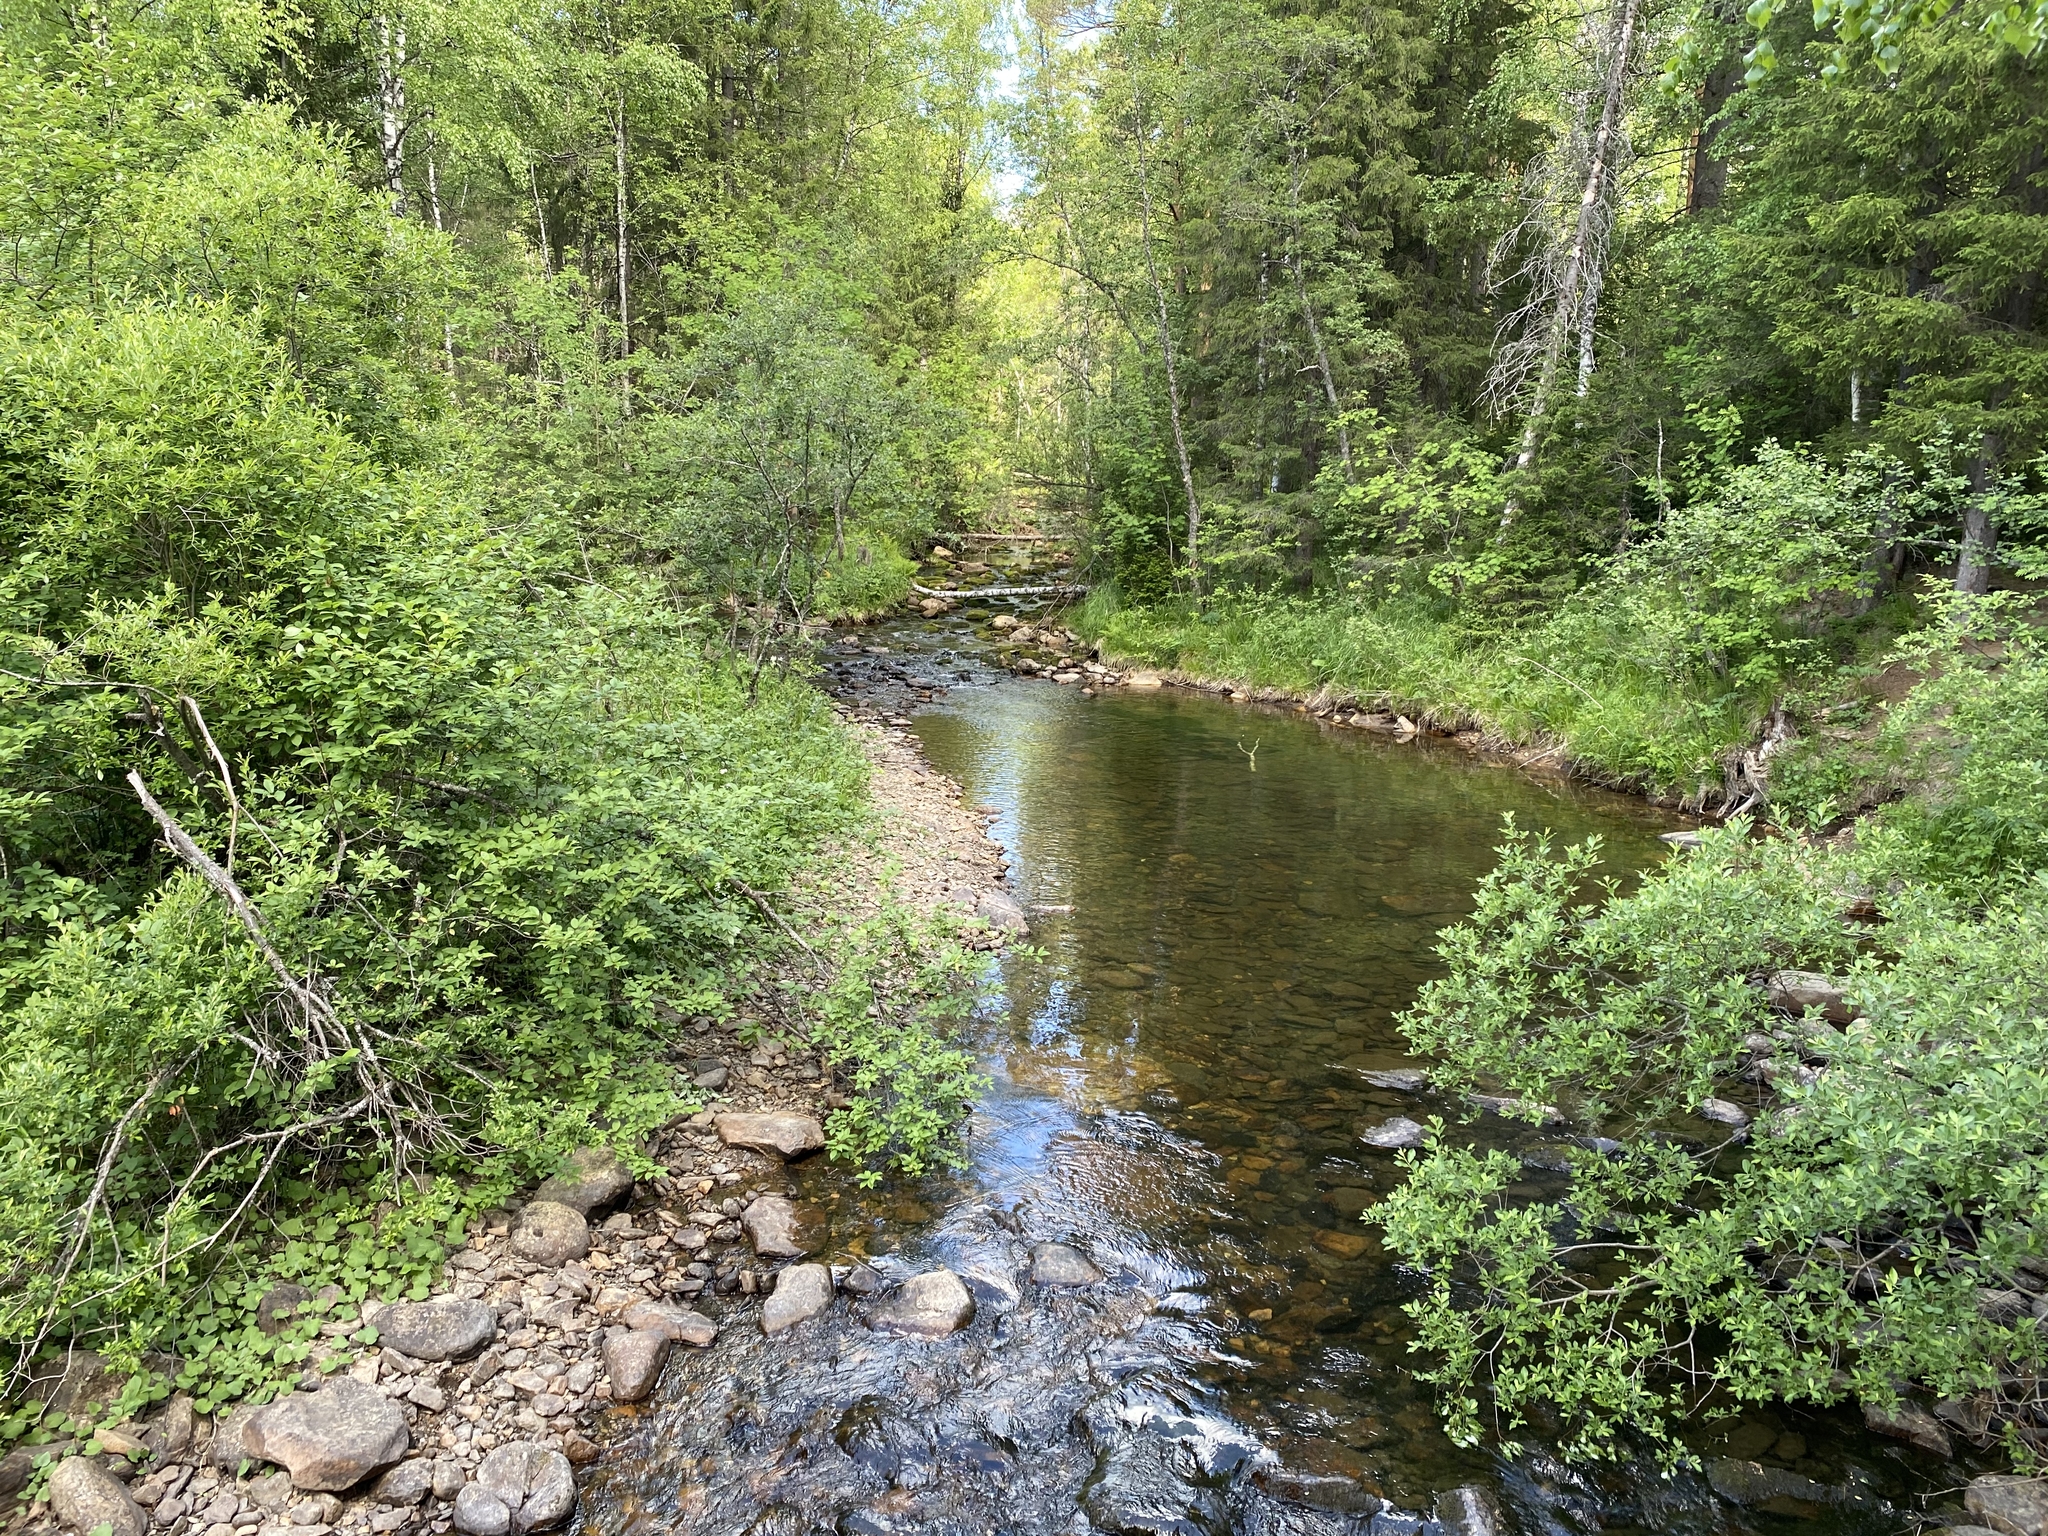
1224, 944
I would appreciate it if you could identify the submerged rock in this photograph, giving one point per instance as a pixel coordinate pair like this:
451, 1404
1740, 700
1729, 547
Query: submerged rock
927, 1306
1394, 1134
1773, 1490
777, 1229
1144, 1486
1399, 1079
1469, 1511
1057, 1264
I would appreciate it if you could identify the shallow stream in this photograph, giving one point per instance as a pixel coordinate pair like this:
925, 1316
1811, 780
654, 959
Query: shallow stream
1231, 904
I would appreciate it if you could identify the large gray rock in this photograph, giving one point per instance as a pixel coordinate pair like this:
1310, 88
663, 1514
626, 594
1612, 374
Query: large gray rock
592, 1177
446, 1328
787, 1136
1057, 1264
1911, 1423
532, 1483
85, 1494
2012, 1506
1797, 991
801, 1293
681, 1324
478, 1512
634, 1360
777, 1229
926, 1306
1399, 1079
550, 1233
999, 909
1395, 1134
330, 1439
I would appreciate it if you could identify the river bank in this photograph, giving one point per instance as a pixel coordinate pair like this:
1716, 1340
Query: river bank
477, 1403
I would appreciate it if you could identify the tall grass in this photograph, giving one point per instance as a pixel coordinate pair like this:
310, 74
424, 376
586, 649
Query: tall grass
1596, 686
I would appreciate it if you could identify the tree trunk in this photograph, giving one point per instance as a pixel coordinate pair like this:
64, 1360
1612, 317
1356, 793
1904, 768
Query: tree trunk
1980, 531
1576, 295
1180, 442
619, 209
540, 221
434, 208
391, 107
1706, 175
1308, 314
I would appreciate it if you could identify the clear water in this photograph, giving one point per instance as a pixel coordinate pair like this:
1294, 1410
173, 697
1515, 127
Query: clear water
1232, 904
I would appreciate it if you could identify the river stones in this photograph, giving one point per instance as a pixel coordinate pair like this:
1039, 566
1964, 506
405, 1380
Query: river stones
520, 1487
1144, 680
445, 1328
1911, 1423
549, 1233
406, 1483
1774, 1490
679, 1323
330, 1439
85, 1495
1391, 1135
999, 909
1398, 1079
801, 1293
589, 1178
634, 1360
1797, 991
1150, 1485
1057, 1264
926, 1306
2014, 1506
777, 1229
1468, 1511
1724, 1112
787, 1136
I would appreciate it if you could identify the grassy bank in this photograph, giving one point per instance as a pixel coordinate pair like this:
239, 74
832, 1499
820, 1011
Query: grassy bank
1614, 712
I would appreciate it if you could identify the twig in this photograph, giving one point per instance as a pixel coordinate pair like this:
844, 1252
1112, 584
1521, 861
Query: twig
771, 914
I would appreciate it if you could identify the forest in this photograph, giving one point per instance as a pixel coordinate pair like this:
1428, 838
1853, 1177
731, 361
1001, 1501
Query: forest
433, 436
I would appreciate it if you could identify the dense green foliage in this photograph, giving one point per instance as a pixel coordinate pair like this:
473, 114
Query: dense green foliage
424, 439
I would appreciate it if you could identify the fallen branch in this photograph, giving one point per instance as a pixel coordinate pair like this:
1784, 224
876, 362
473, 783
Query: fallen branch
1064, 589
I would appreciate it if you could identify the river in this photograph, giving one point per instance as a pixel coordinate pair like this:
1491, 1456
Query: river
1231, 905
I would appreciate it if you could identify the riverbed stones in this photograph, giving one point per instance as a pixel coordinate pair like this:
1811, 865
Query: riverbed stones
788, 1136
1724, 1111
1058, 1264
1798, 991
802, 1292
776, 1228
1908, 1422
406, 1483
445, 1328
1144, 680
680, 1324
1398, 1079
532, 1483
1001, 911
926, 1306
1468, 1511
634, 1360
330, 1439
2012, 1506
550, 1233
1774, 1490
84, 1495
589, 1179
1147, 1486
1395, 1134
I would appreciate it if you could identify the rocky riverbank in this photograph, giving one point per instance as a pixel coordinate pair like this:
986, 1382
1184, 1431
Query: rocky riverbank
475, 1409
